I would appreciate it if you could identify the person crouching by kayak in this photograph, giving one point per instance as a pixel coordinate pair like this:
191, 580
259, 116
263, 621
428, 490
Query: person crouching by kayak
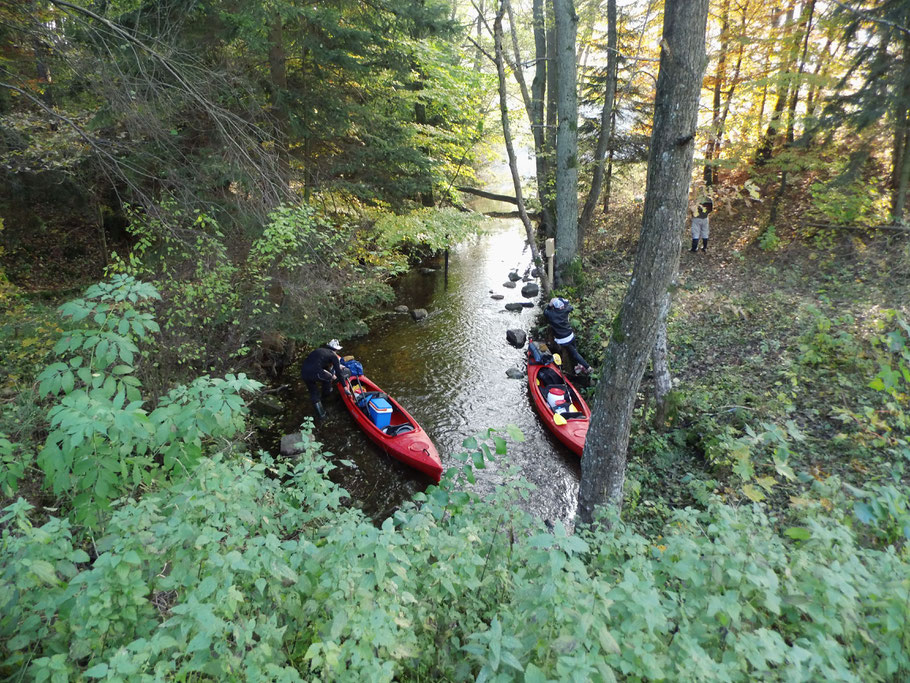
557, 314
321, 367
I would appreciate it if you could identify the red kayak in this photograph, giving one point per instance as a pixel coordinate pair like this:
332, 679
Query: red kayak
390, 426
570, 417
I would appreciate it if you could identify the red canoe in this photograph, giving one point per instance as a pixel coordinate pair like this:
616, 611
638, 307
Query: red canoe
403, 439
573, 427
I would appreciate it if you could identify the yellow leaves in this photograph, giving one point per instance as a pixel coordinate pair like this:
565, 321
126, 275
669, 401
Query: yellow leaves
767, 483
753, 493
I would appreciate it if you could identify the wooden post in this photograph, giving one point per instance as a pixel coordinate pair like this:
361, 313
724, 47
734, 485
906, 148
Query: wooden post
549, 250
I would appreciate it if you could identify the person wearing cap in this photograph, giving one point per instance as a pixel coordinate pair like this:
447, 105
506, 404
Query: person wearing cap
557, 314
321, 367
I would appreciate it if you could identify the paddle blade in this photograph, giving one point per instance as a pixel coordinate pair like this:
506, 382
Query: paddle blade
557, 359
559, 419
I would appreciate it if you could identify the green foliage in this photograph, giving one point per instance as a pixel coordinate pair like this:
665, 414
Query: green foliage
102, 441
886, 510
248, 571
851, 202
768, 240
882, 422
823, 346
13, 465
766, 448
435, 229
300, 275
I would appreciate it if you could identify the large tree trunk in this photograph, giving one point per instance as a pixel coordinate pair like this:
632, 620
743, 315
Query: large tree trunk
606, 127
682, 63
566, 22
510, 150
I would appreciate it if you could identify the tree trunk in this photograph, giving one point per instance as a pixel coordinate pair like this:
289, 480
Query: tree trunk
766, 148
720, 75
279, 76
478, 30
806, 28
566, 22
606, 127
663, 380
510, 150
533, 101
608, 179
901, 153
682, 63
721, 125
549, 198
538, 125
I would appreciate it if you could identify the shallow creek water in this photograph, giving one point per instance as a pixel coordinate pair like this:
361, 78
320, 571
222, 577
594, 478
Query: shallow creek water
448, 371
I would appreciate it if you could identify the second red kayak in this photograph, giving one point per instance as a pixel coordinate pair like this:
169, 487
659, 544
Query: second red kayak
557, 401
390, 426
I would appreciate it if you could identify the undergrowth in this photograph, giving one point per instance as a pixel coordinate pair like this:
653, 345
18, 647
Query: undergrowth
232, 566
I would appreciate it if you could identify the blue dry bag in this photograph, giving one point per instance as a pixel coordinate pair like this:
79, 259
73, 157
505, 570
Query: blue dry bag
354, 366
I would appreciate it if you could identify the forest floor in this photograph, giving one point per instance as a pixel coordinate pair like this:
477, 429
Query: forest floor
774, 341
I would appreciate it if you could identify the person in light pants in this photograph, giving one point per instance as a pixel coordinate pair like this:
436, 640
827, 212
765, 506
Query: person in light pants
700, 227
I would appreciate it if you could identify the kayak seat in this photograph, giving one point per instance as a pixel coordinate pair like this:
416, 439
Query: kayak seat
573, 416
549, 377
395, 430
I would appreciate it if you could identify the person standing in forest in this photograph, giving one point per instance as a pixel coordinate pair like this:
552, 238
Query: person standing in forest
700, 227
557, 314
321, 367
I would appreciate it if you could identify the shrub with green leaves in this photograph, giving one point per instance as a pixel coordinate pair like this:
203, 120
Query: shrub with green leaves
248, 571
102, 441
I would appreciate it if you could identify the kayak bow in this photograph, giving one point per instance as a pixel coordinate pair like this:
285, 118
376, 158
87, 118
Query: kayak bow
403, 439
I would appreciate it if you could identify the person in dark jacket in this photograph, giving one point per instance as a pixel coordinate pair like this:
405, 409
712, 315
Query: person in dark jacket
557, 314
321, 367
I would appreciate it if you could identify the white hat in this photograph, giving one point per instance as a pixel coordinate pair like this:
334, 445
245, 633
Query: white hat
556, 302
335, 345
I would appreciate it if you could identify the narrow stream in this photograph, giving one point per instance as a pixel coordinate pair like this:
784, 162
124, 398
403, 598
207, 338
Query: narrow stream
449, 371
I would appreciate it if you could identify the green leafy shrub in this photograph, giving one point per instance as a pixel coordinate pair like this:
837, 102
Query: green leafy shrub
822, 346
433, 229
768, 240
245, 570
880, 423
102, 441
886, 510
855, 202
13, 464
